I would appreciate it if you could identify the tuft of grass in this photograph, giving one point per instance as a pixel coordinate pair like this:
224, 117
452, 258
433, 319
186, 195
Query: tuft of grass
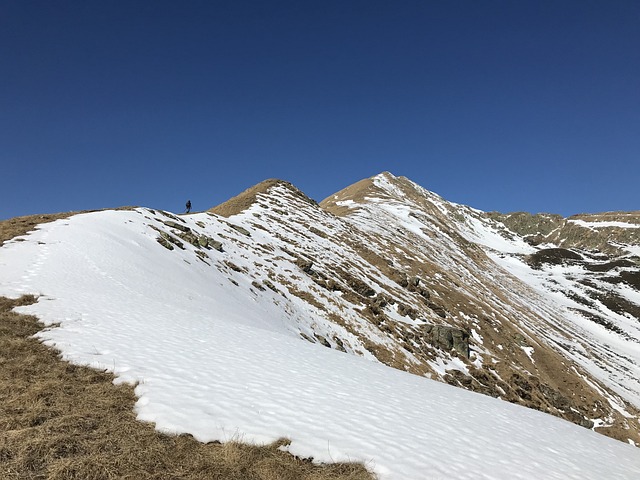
63, 421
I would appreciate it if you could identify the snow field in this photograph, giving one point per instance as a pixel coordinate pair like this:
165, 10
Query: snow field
215, 360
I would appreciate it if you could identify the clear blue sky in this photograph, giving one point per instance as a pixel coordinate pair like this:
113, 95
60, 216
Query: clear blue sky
501, 105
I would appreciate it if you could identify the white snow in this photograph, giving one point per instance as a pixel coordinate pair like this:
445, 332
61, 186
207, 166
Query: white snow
219, 361
623, 354
592, 225
633, 249
486, 234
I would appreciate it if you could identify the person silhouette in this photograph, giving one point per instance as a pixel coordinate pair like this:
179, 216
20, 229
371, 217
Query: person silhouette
188, 206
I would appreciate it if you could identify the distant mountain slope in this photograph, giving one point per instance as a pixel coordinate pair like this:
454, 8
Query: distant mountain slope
614, 233
520, 337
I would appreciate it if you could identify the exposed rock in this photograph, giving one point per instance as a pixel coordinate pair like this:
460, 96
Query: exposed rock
447, 338
240, 229
177, 226
233, 266
358, 285
167, 239
578, 419
405, 310
339, 344
553, 256
305, 265
318, 232
438, 309
267, 283
164, 242
413, 285
323, 341
188, 237
401, 279
203, 241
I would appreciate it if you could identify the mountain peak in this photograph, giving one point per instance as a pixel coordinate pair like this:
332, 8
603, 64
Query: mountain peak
384, 186
244, 200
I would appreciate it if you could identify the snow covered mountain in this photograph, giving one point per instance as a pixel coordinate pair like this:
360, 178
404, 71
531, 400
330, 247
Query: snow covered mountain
273, 315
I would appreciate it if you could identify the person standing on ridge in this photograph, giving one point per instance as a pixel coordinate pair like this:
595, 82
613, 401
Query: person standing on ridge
188, 206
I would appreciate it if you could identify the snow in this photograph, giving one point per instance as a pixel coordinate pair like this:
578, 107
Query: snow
592, 225
622, 372
633, 249
221, 362
529, 351
486, 234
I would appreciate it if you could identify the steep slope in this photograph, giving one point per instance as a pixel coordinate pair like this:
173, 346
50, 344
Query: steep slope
525, 347
207, 314
612, 233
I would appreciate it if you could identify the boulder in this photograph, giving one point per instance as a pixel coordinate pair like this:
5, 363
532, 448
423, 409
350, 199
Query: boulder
305, 265
447, 338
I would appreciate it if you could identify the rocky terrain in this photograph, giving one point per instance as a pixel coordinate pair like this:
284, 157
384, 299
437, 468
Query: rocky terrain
533, 309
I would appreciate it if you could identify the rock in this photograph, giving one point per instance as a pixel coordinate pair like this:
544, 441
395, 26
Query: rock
164, 242
240, 229
407, 311
438, 309
400, 278
447, 338
553, 256
358, 285
177, 226
165, 239
578, 419
188, 237
323, 341
233, 266
203, 241
339, 344
305, 265
380, 301
267, 283
554, 397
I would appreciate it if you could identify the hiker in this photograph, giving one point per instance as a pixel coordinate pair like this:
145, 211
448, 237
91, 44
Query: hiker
188, 206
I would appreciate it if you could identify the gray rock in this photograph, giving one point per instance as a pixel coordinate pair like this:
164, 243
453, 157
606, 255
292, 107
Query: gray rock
177, 226
240, 229
447, 338
305, 265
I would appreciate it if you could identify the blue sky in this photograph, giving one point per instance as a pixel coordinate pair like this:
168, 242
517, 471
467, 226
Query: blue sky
501, 105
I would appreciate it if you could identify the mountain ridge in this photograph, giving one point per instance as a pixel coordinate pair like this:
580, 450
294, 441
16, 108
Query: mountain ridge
386, 270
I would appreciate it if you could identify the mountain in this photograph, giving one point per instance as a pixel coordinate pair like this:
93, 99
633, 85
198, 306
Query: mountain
272, 315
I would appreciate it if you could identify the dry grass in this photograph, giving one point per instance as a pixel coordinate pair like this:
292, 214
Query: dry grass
18, 226
246, 199
61, 421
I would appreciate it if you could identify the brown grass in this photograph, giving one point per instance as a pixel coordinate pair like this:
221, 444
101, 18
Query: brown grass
18, 226
246, 199
62, 421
